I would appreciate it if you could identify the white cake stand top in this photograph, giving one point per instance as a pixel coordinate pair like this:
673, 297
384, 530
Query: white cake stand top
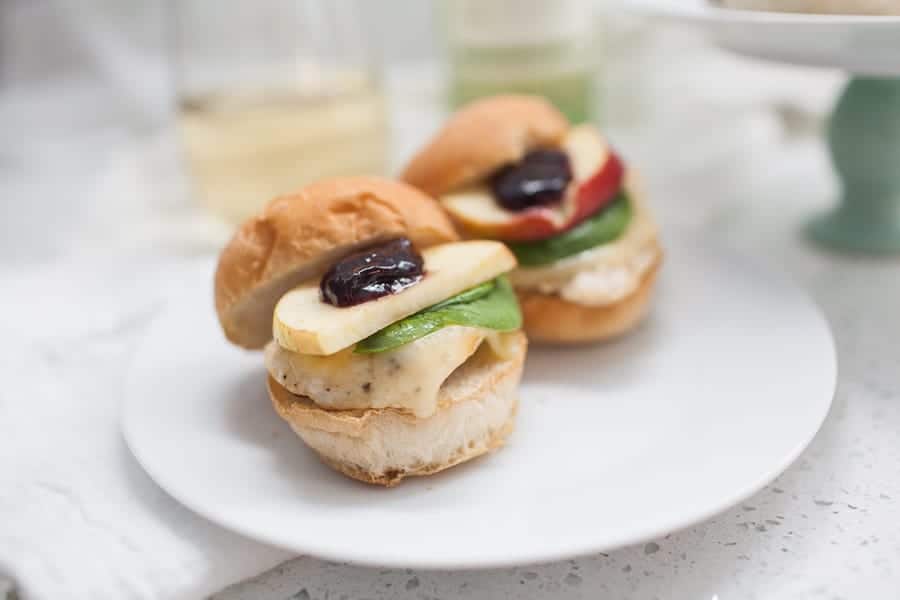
862, 45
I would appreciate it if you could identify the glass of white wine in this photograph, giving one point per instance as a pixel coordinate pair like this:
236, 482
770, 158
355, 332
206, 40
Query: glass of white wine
273, 94
523, 46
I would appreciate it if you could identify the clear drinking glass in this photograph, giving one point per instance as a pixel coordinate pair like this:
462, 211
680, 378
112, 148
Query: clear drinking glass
523, 46
273, 94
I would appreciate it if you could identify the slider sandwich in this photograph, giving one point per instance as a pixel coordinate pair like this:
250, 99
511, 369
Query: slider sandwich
511, 168
392, 348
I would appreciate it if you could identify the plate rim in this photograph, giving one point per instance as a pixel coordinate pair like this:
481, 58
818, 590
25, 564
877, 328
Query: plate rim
706, 13
415, 561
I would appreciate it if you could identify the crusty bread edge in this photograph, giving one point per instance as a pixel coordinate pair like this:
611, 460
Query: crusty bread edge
391, 479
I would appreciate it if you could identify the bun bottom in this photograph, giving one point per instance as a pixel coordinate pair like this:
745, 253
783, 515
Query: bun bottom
551, 319
477, 407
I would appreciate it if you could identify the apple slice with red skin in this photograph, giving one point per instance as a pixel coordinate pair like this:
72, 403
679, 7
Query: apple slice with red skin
597, 177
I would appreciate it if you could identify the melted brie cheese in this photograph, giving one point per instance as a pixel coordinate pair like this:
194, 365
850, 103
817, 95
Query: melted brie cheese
408, 377
601, 275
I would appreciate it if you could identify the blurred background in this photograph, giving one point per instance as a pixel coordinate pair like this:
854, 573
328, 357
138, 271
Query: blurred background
135, 134
155, 126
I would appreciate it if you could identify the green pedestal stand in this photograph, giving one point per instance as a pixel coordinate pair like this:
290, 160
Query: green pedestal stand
864, 139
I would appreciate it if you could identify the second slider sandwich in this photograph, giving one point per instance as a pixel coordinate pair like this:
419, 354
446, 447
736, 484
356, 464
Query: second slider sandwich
397, 348
511, 168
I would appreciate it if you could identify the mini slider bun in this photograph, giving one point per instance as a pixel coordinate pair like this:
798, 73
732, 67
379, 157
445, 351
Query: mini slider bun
298, 236
494, 132
294, 241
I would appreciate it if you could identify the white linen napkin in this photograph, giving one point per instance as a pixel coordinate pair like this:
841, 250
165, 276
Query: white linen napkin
78, 517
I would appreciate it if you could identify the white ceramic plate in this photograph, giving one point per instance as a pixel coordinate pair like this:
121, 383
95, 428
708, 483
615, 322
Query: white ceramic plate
859, 44
713, 397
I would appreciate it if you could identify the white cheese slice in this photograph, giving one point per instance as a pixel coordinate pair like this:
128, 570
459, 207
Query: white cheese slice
305, 324
408, 377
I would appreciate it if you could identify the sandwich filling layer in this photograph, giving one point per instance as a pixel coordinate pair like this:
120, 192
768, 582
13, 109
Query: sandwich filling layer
304, 323
355, 342
477, 405
408, 377
601, 275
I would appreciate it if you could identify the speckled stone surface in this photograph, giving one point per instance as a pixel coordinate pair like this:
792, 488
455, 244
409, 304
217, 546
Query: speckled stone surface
829, 527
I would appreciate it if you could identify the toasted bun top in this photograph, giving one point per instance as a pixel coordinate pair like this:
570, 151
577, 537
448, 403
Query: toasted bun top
482, 137
298, 237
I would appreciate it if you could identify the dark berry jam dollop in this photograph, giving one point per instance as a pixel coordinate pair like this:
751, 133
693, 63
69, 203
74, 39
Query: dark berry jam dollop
372, 273
541, 177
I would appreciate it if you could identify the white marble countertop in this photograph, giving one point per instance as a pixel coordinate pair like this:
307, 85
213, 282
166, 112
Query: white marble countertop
829, 527
736, 161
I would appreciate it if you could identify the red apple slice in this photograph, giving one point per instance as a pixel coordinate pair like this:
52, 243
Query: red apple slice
597, 177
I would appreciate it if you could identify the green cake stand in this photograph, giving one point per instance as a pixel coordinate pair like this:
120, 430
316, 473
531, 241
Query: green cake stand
864, 130
864, 140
